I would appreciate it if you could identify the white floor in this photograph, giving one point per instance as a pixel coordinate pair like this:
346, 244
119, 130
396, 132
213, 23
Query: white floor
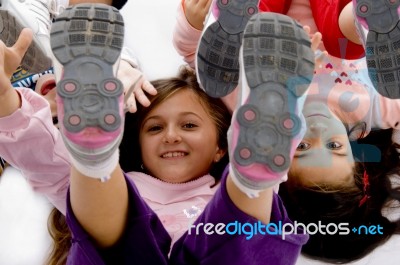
23, 214
23, 222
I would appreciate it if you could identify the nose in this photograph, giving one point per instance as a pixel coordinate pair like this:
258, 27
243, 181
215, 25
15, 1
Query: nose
318, 128
172, 135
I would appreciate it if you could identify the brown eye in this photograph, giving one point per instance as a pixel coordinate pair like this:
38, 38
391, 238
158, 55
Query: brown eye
155, 128
303, 146
190, 125
333, 145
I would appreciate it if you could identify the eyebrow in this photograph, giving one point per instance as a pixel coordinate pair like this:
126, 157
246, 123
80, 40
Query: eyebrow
181, 114
306, 154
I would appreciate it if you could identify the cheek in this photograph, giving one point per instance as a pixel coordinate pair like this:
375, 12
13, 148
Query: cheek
52, 103
148, 147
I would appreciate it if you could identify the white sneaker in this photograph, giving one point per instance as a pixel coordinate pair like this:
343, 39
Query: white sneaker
37, 15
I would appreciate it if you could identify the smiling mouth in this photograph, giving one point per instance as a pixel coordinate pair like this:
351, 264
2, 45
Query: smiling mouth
173, 154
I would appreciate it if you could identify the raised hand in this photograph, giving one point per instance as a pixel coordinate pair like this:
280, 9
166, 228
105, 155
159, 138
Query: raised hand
316, 41
196, 12
134, 81
10, 57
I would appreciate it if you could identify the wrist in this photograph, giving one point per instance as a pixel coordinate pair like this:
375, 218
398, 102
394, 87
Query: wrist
10, 101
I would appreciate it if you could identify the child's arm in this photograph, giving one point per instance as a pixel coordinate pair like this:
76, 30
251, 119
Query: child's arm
30, 142
188, 27
28, 139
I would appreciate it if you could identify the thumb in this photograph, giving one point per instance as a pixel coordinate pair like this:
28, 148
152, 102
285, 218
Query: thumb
23, 42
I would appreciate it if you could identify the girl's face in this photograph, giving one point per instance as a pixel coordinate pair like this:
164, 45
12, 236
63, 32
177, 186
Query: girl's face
324, 155
178, 139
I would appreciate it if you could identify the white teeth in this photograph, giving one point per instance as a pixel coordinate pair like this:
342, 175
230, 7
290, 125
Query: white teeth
173, 154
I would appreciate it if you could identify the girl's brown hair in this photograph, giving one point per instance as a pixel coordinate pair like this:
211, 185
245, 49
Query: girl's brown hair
59, 232
166, 88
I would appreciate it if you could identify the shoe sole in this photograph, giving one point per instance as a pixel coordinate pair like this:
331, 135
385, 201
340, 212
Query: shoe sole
218, 52
87, 40
279, 65
382, 44
10, 29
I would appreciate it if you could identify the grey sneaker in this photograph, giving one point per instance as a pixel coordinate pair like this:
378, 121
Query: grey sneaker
277, 66
87, 40
380, 18
217, 63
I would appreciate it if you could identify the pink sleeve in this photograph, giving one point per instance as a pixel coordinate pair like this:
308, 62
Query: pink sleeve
31, 143
185, 38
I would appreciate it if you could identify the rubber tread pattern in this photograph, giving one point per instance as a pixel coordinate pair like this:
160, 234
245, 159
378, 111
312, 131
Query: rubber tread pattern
87, 40
279, 66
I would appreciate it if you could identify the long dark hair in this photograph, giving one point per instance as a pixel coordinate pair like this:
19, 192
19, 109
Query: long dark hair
342, 204
186, 79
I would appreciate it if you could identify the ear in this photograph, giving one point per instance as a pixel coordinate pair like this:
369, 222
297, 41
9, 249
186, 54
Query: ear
219, 154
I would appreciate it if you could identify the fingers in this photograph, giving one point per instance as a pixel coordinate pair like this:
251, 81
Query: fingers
131, 105
207, 3
319, 58
2, 50
137, 93
136, 87
141, 97
149, 88
315, 38
307, 29
316, 41
3, 78
23, 41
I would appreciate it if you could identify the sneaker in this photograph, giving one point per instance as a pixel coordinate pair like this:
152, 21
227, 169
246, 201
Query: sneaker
37, 15
217, 62
380, 18
87, 40
276, 66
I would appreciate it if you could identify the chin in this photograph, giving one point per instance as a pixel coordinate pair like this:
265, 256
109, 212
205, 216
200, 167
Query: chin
176, 179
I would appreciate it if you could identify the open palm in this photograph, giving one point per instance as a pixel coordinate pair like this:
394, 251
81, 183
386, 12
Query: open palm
10, 58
